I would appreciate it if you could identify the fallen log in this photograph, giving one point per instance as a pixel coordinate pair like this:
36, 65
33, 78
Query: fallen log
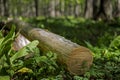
78, 59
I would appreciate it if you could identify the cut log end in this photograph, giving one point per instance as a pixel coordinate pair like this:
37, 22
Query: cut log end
79, 61
77, 58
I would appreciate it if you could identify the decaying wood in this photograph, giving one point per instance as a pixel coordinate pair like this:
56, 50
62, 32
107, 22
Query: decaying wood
78, 59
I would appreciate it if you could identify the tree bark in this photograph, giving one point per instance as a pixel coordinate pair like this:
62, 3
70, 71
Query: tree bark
117, 12
89, 9
118, 8
104, 10
96, 7
78, 59
6, 14
36, 7
52, 8
70, 9
108, 9
62, 7
0, 7
57, 8
77, 9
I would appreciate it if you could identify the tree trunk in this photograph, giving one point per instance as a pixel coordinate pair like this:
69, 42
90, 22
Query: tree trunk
36, 7
104, 10
96, 7
0, 7
118, 8
89, 9
66, 9
78, 59
70, 9
62, 7
108, 9
5, 8
57, 8
77, 9
41, 6
52, 8
117, 12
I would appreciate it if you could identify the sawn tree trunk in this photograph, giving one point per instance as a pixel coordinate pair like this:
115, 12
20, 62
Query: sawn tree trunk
78, 59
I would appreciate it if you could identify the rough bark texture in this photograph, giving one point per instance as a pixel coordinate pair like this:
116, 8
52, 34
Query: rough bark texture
78, 59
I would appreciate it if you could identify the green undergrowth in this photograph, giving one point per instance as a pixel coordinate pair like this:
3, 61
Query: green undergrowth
102, 38
17, 65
